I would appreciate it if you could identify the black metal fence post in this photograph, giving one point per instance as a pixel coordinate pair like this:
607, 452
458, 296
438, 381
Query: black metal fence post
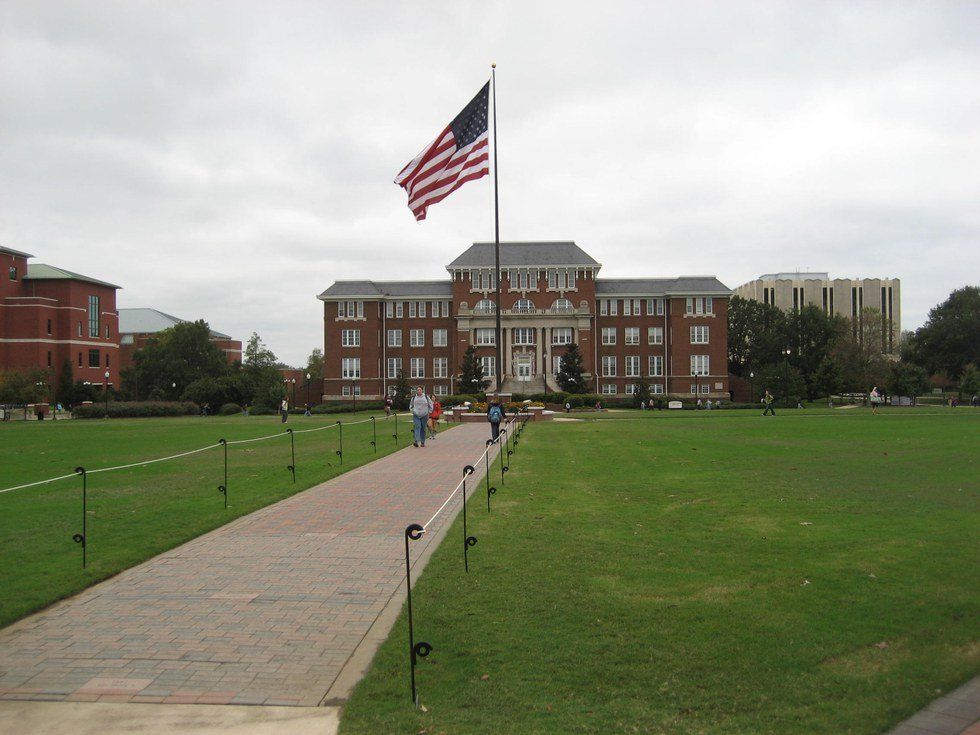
340, 452
421, 649
223, 489
82, 538
292, 449
468, 540
490, 490
374, 433
395, 435
500, 453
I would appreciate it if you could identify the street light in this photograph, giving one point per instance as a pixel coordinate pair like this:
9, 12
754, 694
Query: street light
294, 391
353, 395
308, 388
786, 353
106, 389
751, 387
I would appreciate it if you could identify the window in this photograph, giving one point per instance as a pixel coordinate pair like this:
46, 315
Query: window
440, 337
522, 282
603, 307
609, 335
482, 280
350, 338
394, 367
561, 336
632, 336
93, 358
107, 359
555, 365
562, 306
49, 358
346, 390
49, 326
631, 389
699, 335
631, 307
657, 388
486, 306
699, 305
699, 365
440, 367
434, 308
441, 390
350, 309
416, 338
421, 309
655, 335
394, 338
632, 366
704, 388
552, 278
93, 316
351, 367
489, 365
609, 366
79, 359
412, 309
390, 309
709, 305
608, 307
571, 279
524, 335
655, 365
418, 367
524, 306
689, 306
655, 307
486, 336
107, 331
561, 280
399, 309
445, 308
609, 389
79, 329
636, 307
13, 273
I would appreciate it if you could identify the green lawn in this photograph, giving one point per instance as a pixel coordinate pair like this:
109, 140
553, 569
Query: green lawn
136, 513
702, 573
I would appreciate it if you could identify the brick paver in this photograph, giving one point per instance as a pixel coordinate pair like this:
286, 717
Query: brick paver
265, 610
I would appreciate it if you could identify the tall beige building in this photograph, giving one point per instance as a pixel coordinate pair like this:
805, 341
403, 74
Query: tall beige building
846, 297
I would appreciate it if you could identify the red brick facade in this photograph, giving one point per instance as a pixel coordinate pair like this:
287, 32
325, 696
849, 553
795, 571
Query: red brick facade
48, 315
646, 329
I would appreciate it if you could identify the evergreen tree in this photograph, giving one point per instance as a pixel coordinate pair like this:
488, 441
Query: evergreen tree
403, 391
642, 395
65, 391
471, 378
570, 378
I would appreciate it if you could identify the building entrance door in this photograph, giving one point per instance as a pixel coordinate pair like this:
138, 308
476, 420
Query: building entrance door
523, 363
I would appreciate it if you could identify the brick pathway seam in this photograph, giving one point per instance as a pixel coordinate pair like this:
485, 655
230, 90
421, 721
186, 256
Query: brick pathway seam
267, 609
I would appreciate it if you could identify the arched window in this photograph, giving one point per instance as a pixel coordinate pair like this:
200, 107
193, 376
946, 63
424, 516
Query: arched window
524, 306
485, 305
561, 306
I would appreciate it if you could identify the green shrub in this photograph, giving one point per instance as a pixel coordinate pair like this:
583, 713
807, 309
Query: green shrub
230, 409
262, 411
346, 406
136, 409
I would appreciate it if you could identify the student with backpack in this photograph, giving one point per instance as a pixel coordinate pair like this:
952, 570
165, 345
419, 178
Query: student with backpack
495, 414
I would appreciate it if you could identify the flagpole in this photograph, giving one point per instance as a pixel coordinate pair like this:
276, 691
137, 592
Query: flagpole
496, 232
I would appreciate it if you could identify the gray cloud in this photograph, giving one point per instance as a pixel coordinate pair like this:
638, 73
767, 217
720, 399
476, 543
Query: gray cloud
230, 160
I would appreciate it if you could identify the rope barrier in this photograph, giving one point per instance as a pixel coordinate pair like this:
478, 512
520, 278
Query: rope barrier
151, 461
39, 482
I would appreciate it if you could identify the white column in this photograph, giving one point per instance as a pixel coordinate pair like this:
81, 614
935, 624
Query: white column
506, 368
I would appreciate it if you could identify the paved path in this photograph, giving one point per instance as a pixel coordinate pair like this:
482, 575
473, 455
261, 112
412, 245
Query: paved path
265, 610
958, 713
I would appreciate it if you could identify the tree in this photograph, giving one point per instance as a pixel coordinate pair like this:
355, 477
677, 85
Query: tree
812, 335
471, 379
571, 376
176, 358
65, 390
950, 338
969, 382
907, 379
257, 355
826, 379
862, 363
642, 395
757, 335
402, 391
23, 386
314, 364
262, 381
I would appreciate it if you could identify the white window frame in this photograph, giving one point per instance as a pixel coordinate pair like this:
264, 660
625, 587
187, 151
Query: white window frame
485, 337
631, 336
440, 367
657, 389
389, 309
440, 337
489, 365
440, 390
394, 338
350, 338
417, 367
609, 366
655, 335
631, 389
655, 366
699, 334
412, 309
399, 309
562, 335
350, 368
394, 367
524, 306
608, 389
700, 365
632, 366
525, 336
416, 338
609, 335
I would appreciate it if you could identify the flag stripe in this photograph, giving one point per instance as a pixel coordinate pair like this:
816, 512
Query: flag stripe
485, 171
432, 178
440, 144
447, 185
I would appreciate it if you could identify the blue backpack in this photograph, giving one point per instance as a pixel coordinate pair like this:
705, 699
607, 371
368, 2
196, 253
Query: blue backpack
496, 414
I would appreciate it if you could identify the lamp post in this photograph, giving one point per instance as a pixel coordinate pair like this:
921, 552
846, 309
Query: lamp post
308, 388
751, 387
105, 388
786, 353
294, 390
697, 389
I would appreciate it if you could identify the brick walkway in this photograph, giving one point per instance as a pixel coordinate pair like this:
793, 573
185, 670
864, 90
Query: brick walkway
958, 713
265, 610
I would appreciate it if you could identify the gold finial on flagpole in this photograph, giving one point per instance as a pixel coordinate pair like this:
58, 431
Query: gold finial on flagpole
493, 65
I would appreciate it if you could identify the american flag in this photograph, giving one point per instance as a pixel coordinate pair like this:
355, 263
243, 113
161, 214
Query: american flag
460, 153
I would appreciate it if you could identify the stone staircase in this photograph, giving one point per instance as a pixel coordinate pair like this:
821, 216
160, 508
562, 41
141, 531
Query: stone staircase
537, 384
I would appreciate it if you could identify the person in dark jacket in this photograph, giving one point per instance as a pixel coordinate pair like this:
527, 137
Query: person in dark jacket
495, 415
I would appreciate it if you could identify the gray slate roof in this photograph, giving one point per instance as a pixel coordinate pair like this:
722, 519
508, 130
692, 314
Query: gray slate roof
388, 289
517, 254
11, 251
151, 321
42, 272
679, 286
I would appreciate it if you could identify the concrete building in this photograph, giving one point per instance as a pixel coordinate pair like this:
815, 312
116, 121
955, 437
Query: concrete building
139, 326
668, 332
847, 297
49, 315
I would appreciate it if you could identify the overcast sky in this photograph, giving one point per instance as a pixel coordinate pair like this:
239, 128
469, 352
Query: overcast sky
230, 161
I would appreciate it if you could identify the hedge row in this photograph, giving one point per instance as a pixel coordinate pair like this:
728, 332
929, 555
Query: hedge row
136, 409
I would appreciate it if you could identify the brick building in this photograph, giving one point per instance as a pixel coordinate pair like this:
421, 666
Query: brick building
139, 326
49, 315
670, 332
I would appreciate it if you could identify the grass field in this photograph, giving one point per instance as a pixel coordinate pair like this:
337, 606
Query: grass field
702, 573
136, 513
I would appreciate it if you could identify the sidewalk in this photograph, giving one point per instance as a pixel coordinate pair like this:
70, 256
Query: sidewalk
265, 610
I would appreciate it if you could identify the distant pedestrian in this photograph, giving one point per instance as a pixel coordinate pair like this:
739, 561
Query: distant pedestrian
388, 404
707, 405
568, 407
421, 407
650, 404
768, 400
799, 403
495, 414
700, 405
875, 400
308, 410
434, 418
284, 410
245, 409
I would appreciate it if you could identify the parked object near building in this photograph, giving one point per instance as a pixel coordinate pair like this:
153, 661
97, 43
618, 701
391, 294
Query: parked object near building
671, 333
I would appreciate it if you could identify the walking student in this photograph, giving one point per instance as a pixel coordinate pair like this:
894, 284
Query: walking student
421, 407
875, 400
284, 410
434, 418
768, 400
495, 414
388, 405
